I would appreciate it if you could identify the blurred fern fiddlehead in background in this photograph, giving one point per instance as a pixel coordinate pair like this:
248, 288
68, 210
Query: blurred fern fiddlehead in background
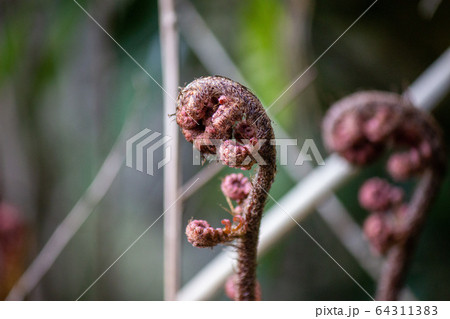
223, 118
360, 127
13, 247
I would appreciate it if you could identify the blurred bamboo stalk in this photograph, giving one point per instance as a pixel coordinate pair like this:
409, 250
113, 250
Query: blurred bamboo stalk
172, 219
313, 189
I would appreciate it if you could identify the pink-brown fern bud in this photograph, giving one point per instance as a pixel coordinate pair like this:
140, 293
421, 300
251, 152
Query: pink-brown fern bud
357, 126
200, 234
230, 288
12, 228
347, 132
378, 195
236, 186
191, 134
382, 123
379, 232
13, 247
236, 155
185, 120
204, 144
402, 166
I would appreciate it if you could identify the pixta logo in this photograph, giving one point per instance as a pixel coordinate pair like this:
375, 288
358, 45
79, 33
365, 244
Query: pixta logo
140, 151
308, 151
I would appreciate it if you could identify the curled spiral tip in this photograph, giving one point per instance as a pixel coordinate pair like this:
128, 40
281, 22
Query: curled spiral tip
356, 126
219, 116
236, 186
360, 127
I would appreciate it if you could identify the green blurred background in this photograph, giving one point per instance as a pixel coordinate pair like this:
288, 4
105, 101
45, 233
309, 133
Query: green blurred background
66, 90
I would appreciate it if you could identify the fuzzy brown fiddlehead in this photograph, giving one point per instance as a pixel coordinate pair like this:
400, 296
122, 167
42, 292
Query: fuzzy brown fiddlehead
360, 127
223, 118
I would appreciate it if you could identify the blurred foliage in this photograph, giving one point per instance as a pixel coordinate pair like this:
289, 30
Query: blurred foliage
66, 89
